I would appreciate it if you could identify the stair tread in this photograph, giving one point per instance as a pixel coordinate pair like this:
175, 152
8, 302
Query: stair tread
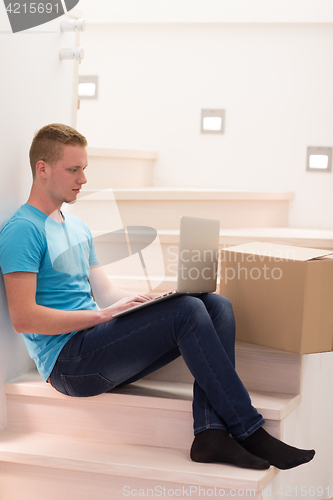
183, 193
152, 394
145, 462
287, 235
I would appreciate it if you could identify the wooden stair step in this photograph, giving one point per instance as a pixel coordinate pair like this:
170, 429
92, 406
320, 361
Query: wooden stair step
165, 247
302, 237
118, 168
266, 369
260, 369
117, 466
146, 412
149, 394
273, 406
161, 208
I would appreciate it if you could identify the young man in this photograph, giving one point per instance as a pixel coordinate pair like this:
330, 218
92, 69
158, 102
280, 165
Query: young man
54, 283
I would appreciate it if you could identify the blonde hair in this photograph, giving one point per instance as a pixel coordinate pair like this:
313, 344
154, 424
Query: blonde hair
49, 141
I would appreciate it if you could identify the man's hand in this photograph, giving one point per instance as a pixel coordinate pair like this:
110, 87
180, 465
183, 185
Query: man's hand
122, 305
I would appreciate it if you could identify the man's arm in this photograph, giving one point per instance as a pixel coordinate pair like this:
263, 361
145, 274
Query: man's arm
105, 294
29, 317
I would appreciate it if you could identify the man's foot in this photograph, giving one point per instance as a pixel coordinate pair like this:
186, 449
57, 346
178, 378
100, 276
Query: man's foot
279, 454
215, 445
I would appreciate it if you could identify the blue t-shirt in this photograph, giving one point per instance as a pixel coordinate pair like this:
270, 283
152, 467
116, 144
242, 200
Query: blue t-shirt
61, 254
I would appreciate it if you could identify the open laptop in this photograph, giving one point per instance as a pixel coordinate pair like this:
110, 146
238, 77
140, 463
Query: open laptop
197, 261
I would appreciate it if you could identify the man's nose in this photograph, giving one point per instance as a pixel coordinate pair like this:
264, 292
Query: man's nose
83, 178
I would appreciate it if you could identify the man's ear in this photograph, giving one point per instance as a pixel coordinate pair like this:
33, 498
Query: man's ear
41, 169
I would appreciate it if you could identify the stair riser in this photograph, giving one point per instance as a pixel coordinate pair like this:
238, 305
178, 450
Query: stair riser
167, 252
106, 423
260, 369
165, 214
119, 173
24, 482
160, 258
101, 423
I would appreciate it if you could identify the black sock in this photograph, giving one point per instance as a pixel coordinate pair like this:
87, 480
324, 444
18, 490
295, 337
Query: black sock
215, 445
279, 454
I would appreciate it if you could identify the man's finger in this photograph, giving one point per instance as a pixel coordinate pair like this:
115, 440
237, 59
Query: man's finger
141, 298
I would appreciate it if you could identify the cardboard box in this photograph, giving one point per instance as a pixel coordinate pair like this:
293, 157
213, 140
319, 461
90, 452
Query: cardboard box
282, 296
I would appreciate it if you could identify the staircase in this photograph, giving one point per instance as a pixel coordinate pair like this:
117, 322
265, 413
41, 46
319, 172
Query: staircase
136, 437
135, 441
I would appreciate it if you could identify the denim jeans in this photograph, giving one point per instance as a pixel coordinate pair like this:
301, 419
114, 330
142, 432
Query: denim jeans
201, 330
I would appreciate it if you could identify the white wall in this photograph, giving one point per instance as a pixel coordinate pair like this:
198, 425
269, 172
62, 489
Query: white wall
207, 11
36, 89
274, 81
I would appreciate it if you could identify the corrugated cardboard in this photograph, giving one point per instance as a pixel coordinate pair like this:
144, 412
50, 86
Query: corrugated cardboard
282, 295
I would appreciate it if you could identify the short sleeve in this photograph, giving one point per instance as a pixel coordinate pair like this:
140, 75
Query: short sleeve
93, 260
21, 247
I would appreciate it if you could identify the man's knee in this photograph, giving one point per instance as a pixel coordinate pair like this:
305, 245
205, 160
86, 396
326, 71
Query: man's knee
225, 302
213, 299
205, 303
189, 301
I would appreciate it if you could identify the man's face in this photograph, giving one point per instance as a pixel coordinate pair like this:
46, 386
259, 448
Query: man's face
66, 176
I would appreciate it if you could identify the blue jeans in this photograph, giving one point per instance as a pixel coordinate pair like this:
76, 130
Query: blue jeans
201, 330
